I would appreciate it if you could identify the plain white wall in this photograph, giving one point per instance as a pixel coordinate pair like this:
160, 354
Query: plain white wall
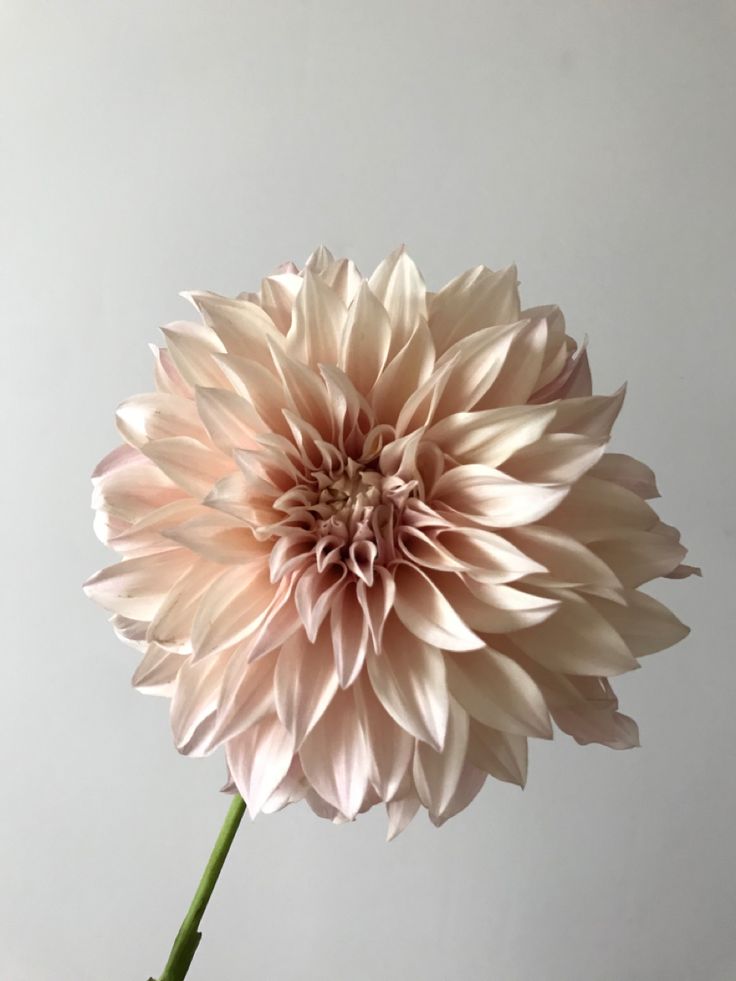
152, 146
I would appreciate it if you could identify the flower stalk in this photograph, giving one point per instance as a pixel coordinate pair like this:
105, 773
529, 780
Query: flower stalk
188, 937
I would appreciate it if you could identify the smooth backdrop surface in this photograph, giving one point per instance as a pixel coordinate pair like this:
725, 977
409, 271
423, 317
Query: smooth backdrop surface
149, 147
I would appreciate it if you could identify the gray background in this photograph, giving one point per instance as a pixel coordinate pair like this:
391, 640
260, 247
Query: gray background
149, 147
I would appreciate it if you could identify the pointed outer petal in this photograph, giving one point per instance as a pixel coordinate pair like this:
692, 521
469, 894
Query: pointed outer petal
595, 508
166, 374
390, 747
194, 702
488, 556
400, 813
498, 692
377, 601
425, 612
472, 301
350, 636
261, 387
171, 628
231, 422
567, 562
157, 672
335, 756
628, 472
593, 416
259, 759
147, 533
404, 374
317, 323
189, 463
131, 487
500, 754
143, 418
477, 362
277, 626
344, 278
192, 347
242, 326
399, 287
365, 341
492, 608
560, 458
245, 696
315, 593
137, 587
437, 774
131, 632
278, 293
468, 787
578, 383
645, 624
306, 390
519, 374
322, 809
684, 571
490, 436
409, 680
292, 789
305, 683
218, 537
637, 557
320, 260
588, 722
576, 640
421, 406
232, 608
231, 495
493, 498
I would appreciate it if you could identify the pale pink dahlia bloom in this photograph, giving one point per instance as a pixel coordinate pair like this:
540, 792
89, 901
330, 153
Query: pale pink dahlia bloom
371, 540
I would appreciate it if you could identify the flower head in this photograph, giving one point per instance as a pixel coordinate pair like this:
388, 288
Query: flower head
371, 540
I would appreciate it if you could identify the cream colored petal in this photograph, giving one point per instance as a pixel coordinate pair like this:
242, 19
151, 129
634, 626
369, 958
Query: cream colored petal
491, 608
519, 374
157, 672
231, 421
167, 376
559, 458
366, 341
350, 637
314, 595
218, 537
409, 680
306, 391
502, 755
425, 612
259, 759
486, 555
474, 300
436, 774
193, 704
400, 813
317, 325
577, 640
262, 388
136, 588
391, 747
498, 692
305, 683
405, 373
637, 557
628, 472
490, 436
335, 756
143, 418
492, 498
468, 787
192, 347
245, 697
278, 293
232, 608
645, 624
567, 561
190, 464
594, 508
171, 627
377, 601
242, 326
399, 287
128, 486
593, 416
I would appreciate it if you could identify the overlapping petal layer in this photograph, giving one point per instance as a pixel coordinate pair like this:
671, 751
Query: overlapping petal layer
371, 541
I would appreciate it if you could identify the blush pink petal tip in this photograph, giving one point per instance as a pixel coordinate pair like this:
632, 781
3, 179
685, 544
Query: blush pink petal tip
371, 539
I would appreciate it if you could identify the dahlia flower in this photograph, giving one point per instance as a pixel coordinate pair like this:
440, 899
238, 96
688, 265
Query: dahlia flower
371, 540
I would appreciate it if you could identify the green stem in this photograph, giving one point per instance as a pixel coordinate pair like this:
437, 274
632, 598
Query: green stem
188, 937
